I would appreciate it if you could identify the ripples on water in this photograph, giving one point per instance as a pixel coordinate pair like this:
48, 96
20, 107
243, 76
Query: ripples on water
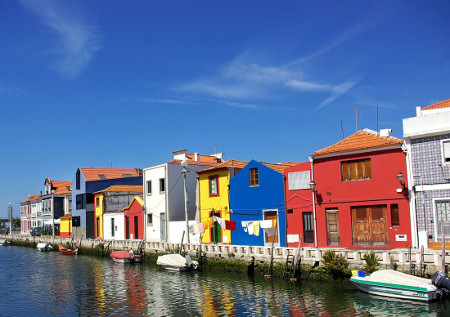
35, 283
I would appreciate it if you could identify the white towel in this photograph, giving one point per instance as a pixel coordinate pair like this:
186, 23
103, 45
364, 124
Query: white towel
266, 224
244, 225
251, 229
221, 222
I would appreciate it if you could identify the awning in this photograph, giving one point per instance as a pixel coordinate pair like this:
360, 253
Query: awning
49, 222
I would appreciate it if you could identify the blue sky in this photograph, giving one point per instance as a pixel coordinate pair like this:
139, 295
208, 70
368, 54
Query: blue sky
101, 83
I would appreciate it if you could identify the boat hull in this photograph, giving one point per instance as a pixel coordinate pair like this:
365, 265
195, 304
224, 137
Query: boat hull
395, 291
66, 251
125, 257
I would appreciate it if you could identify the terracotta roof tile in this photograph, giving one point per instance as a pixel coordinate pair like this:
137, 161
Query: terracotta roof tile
61, 187
95, 174
232, 163
279, 167
442, 104
362, 140
123, 188
68, 216
31, 198
192, 162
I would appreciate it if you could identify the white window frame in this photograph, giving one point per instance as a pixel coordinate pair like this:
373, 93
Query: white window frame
149, 224
149, 193
442, 150
435, 216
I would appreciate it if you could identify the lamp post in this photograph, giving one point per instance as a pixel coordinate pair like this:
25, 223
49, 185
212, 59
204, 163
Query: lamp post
312, 185
184, 164
10, 211
400, 178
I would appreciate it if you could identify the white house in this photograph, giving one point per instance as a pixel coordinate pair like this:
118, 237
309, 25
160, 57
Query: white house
164, 199
427, 139
113, 226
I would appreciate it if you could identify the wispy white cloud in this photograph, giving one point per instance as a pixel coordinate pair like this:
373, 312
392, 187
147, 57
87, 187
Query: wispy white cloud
78, 40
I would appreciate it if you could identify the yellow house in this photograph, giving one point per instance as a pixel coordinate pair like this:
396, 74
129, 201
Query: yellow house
214, 198
98, 215
65, 226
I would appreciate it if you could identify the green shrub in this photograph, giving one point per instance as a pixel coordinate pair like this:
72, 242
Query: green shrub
335, 264
371, 262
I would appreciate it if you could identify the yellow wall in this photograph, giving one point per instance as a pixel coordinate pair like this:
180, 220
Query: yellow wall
65, 227
98, 213
218, 203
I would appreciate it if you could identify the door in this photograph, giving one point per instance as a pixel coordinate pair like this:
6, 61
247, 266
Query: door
369, 224
308, 227
215, 231
163, 227
270, 215
97, 225
332, 216
90, 224
136, 227
127, 227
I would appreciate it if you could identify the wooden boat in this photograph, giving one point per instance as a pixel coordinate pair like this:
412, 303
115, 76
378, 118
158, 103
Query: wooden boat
395, 284
64, 250
44, 247
125, 256
176, 262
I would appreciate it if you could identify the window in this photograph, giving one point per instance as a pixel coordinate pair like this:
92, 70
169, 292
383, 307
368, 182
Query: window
77, 181
446, 151
308, 228
254, 178
443, 214
81, 202
395, 218
150, 219
213, 186
112, 227
149, 187
162, 186
356, 170
97, 202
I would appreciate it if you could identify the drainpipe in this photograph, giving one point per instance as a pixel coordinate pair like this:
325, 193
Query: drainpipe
311, 159
412, 198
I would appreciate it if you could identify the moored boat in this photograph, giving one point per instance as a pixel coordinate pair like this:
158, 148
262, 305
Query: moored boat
395, 284
124, 256
44, 247
67, 251
176, 262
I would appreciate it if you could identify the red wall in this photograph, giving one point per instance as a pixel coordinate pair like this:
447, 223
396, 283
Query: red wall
297, 202
135, 210
380, 190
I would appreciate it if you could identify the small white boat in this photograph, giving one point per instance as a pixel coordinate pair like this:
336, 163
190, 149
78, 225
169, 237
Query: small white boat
44, 247
125, 256
176, 262
395, 284
4, 242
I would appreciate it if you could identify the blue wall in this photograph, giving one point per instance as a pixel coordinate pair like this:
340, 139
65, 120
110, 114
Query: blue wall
247, 203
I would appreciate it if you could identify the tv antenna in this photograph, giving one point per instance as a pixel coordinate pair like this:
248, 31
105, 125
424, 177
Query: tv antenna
357, 115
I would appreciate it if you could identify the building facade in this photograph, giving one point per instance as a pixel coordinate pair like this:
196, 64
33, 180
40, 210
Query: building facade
358, 200
427, 139
134, 219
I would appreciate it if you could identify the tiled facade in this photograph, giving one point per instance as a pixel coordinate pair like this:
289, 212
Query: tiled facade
426, 212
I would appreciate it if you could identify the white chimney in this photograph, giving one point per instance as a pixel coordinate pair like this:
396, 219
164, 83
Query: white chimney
179, 155
385, 132
418, 111
196, 156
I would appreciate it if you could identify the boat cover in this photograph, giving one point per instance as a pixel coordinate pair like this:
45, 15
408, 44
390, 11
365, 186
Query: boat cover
174, 260
120, 254
399, 278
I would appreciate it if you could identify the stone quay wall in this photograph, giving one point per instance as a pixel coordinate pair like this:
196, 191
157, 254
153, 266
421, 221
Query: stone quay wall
404, 259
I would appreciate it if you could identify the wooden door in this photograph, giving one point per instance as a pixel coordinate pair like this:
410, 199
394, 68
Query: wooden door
369, 224
136, 227
332, 216
127, 228
270, 215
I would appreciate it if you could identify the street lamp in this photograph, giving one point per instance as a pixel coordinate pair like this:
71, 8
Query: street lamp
10, 218
184, 164
400, 178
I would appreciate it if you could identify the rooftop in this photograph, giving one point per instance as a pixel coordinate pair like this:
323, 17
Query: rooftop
441, 104
95, 174
362, 140
123, 189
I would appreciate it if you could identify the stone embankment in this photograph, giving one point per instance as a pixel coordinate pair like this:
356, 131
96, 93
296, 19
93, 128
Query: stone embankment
403, 259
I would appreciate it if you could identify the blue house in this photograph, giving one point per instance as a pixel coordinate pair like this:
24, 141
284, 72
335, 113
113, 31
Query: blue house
257, 195
88, 181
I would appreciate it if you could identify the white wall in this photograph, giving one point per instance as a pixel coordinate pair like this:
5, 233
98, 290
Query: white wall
430, 123
154, 202
119, 224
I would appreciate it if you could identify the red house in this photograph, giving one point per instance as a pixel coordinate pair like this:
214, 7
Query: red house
299, 205
134, 220
358, 198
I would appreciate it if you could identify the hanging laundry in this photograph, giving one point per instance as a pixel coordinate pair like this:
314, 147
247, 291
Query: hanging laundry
210, 223
251, 228
266, 224
274, 223
244, 225
230, 225
270, 231
256, 228
206, 224
201, 228
195, 228
221, 222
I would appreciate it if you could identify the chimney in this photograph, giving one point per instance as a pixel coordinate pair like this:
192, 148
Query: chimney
179, 155
41, 192
418, 111
385, 132
196, 156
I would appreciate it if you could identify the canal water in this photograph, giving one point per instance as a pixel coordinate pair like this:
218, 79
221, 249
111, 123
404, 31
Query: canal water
36, 283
